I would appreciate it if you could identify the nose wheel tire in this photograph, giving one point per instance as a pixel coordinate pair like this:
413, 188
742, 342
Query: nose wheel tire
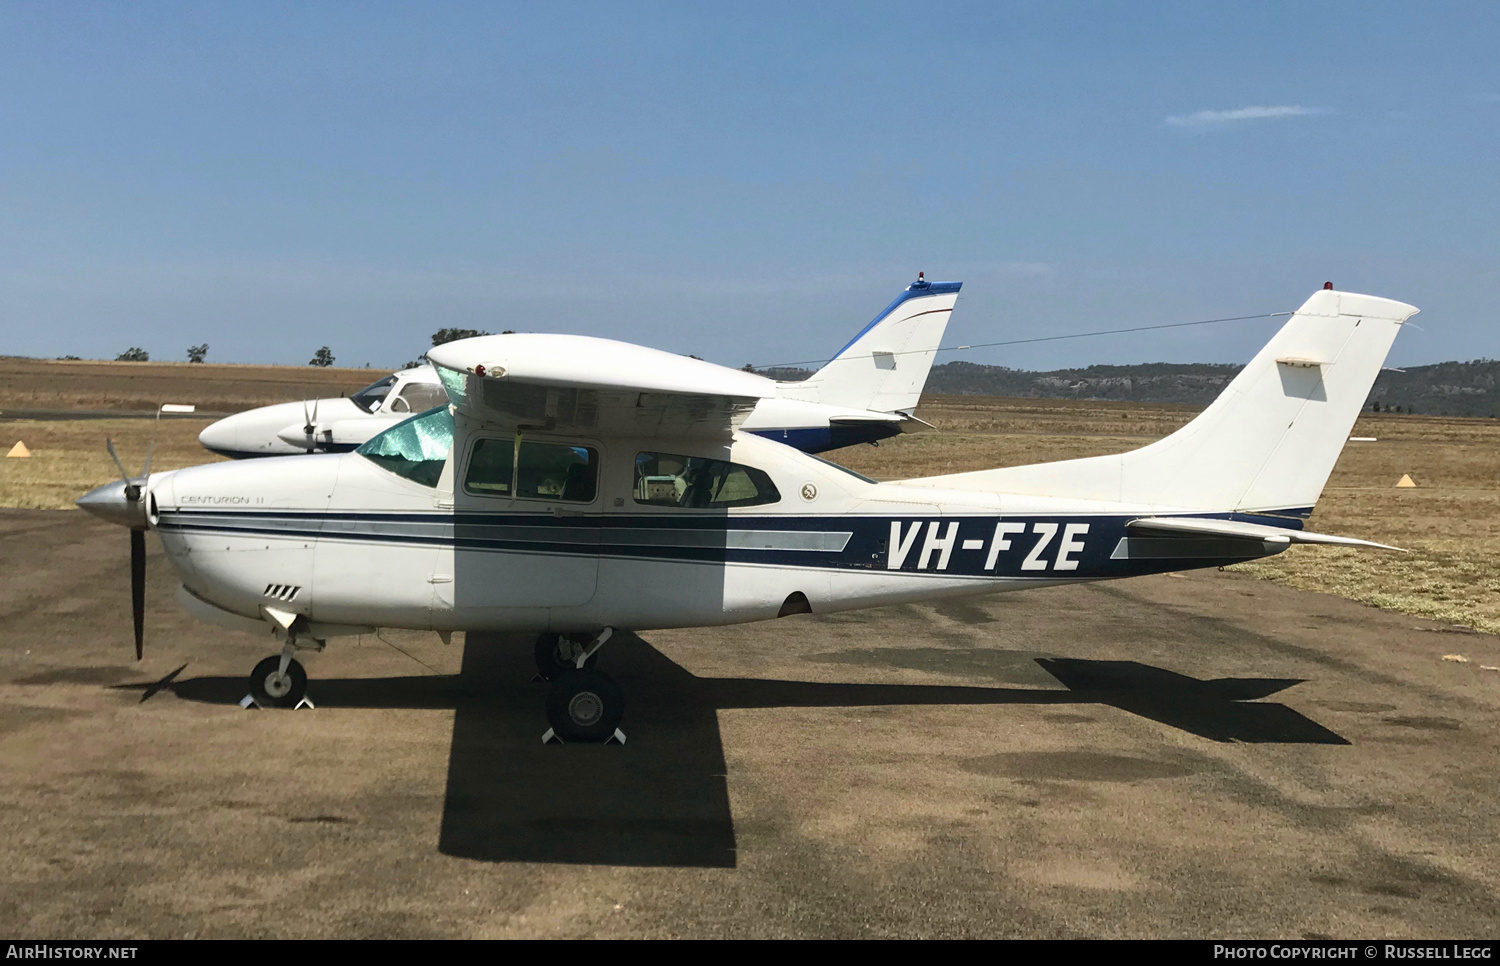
585, 705
555, 655
273, 689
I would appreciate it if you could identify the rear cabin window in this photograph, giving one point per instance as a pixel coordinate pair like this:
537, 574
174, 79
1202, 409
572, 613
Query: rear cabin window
415, 449
546, 471
699, 484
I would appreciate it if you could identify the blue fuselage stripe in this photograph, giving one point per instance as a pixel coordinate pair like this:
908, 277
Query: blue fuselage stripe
1080, 547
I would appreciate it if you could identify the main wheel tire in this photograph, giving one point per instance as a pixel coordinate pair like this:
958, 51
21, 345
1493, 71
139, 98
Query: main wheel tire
272, 689
551, 662
585, 705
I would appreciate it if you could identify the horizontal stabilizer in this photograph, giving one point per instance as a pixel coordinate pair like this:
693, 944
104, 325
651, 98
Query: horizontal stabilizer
865, 419
1235, 529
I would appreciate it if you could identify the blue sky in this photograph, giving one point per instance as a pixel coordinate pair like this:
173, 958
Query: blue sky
748, 185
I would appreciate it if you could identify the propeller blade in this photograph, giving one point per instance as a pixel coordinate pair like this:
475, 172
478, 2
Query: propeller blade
146, 470
109, 444
307, 424
138, 586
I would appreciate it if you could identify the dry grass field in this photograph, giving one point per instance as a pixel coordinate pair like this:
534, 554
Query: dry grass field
1450, 522
68, 456
44, 384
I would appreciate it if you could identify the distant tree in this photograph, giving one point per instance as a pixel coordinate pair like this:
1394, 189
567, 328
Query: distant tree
442, 336
1374, 407
747, 367
509, 332
321, 358
197, 352
134, 354
70, 358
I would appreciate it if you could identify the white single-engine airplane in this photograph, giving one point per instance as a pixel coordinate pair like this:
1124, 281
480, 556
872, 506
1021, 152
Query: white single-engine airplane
864, 394
576, 485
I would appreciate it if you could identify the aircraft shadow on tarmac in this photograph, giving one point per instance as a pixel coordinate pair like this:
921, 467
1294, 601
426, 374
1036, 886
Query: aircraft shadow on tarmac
663, 798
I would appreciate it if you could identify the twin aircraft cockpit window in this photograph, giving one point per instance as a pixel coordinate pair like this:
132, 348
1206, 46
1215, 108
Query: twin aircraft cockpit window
414, 397
370, 397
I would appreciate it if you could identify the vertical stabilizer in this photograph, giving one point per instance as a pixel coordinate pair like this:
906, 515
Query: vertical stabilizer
885, 366
1267, 443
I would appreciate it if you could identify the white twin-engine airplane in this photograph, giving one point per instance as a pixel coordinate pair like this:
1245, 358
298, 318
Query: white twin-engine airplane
866, 393
575, 485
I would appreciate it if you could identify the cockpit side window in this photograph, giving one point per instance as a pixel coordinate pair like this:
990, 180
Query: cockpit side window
415, 449
695, 483
370, 397
547, 471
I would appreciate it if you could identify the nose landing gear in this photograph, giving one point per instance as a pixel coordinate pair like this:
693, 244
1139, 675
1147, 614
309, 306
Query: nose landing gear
273, 687
280, 681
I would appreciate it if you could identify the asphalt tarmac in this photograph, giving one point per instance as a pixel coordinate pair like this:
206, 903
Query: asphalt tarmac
1203, 755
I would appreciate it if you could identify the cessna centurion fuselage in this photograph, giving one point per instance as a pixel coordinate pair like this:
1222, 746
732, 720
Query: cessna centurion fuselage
350, 541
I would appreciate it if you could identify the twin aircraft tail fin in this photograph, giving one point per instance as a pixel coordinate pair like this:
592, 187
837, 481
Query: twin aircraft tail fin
885, 366
1267, 443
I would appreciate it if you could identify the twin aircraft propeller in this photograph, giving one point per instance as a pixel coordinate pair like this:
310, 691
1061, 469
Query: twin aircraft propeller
571, 487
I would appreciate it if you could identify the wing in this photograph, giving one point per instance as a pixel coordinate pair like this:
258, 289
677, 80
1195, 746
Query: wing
573, 382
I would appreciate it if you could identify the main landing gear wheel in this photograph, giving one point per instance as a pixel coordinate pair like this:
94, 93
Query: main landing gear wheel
585, 705
272, 689
557, 654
